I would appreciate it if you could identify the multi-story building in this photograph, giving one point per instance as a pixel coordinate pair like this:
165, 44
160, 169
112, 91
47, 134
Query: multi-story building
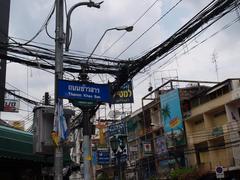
150, 152
213, 129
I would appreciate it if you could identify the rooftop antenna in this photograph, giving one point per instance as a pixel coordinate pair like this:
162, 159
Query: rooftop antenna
214, 61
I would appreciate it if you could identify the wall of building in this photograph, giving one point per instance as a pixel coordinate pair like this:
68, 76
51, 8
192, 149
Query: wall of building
215, 123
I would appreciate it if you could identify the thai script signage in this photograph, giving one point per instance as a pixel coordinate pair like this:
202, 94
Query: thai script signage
124, 94
172, 118
84, 91
11, 105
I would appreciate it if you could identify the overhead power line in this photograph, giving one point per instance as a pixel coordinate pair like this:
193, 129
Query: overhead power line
115, 42
165, 14
209, 15
44, 26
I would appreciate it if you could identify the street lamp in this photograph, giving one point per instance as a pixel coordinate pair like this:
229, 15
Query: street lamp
88, 4
120, 28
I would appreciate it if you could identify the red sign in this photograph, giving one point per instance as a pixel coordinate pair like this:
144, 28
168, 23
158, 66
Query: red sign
11, 105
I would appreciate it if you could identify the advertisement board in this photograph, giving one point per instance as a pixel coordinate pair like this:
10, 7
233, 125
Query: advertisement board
172, 118
84, 91
11, 105
124, 94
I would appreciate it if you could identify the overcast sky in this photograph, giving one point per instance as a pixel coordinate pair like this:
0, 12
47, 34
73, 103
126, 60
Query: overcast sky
88, 24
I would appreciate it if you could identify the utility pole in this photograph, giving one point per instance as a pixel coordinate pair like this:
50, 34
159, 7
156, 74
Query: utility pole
4, 19
59, 40
87, 156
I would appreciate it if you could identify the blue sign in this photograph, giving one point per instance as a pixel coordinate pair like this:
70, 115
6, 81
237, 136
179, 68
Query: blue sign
103, 156
172, 118
116, 128
84, 91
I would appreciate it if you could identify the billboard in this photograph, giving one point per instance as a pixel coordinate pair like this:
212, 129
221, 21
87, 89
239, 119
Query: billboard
124, 94
84, 91
172, 118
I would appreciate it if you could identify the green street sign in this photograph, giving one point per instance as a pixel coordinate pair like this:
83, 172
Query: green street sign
80, 103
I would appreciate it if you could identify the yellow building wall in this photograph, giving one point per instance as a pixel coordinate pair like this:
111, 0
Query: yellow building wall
220, 157
219, 120
204, 157
213, 104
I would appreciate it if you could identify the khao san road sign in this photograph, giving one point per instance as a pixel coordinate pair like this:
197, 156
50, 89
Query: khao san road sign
84, 91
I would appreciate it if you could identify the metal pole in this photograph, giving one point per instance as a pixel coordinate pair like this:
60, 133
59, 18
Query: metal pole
119, 166
87, 157
58, 157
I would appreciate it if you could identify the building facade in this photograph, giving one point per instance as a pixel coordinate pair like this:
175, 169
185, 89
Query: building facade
212, 129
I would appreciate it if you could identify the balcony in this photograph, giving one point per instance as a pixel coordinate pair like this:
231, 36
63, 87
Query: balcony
206, 135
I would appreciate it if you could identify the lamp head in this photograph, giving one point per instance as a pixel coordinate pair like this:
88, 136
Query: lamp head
126, 28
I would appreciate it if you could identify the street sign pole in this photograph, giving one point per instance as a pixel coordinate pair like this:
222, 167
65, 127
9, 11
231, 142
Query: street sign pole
59, 40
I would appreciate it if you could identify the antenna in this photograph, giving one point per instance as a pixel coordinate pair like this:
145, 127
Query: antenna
214, 61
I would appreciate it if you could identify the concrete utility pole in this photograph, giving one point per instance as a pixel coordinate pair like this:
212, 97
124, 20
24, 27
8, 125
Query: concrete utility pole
59, 40
87, 155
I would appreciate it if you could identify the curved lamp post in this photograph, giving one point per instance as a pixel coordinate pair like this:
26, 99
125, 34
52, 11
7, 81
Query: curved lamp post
88, 4
120, 28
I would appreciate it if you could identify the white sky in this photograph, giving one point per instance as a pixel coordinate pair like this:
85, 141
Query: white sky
88, 24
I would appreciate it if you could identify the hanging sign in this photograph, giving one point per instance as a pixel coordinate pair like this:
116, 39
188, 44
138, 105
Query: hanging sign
84, 91
124, 94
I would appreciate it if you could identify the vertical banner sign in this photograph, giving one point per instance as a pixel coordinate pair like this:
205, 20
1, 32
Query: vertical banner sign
4, 22
161, 147
172, 118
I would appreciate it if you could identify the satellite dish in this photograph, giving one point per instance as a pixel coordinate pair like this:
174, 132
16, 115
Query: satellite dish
114, 114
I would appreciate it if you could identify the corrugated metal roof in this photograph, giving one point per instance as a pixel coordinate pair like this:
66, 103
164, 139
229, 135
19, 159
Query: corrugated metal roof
17, 144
